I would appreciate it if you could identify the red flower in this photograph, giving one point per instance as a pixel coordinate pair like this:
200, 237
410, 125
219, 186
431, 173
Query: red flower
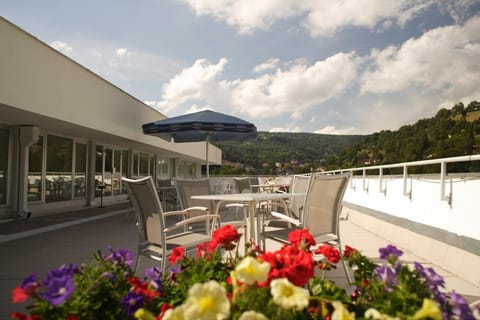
290, 262
331, 254
19, 295
349, 251
225, 237
21, 316
142, 288
163, 308
301, 238
204, 250
177, 254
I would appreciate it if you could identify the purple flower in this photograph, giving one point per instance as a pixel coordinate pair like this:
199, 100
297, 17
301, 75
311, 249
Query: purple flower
389, 250
111, 276
387, 276
433, 279
119, 256
153, 273
460, 307
59, 284
132, 302
30, 281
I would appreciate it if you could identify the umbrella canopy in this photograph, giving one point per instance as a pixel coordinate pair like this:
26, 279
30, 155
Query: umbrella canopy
205, 125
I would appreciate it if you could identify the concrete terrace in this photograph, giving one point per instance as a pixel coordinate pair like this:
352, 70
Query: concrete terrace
47, 242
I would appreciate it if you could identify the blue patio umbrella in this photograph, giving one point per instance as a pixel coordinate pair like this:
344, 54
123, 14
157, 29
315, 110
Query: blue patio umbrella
205, 126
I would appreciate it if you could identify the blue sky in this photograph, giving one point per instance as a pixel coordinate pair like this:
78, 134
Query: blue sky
335, 67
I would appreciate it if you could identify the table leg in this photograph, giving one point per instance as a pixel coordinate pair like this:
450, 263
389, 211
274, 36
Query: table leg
251, 218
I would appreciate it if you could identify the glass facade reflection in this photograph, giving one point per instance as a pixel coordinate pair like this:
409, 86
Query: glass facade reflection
35, 168
58, 178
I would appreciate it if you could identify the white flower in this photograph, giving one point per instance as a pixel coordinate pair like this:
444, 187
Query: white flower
174, 314
252, 315
287, 295
375, 314
207, 301
250, 270
341, 313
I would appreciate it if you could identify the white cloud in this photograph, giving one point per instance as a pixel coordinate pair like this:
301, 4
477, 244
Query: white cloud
200, 81
334, 130
326, 17
443, 61
247, 15
323, 18
285, 129
268, 65
288, 91
62, 47
122, 52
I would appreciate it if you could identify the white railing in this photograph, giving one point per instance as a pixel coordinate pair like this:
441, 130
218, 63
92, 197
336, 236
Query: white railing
443, 175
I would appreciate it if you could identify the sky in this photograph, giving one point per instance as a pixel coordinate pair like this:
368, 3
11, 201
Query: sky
320, 66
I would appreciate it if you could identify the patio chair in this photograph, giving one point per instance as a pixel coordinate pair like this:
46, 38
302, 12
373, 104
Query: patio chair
320, 214
243, 185
186, 188
300, 184
156, 241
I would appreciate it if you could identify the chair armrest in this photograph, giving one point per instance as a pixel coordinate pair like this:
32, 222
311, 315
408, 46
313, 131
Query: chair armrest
206, 217
285, 217
236, 205
175, 213
199, 208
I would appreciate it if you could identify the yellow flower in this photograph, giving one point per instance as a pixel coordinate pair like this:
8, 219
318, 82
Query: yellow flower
250, 270
143, 314
207, 301
375, 314
341, 313
174, 314
429, 310
252, 315
287, 295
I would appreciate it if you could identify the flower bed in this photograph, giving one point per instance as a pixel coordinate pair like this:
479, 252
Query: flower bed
220, 284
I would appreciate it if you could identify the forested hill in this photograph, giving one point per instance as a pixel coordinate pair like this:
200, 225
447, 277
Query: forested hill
451, 132
282, 152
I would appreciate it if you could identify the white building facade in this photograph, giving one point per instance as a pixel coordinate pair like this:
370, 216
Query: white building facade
67, 136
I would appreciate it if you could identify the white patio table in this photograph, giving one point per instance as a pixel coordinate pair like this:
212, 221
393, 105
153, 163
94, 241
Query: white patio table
251, 199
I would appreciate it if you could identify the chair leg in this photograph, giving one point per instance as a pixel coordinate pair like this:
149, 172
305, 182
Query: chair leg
346, 268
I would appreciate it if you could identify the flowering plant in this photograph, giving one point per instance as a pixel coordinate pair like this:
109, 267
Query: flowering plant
220, 284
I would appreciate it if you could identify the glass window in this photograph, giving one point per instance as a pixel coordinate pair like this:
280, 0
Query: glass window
59, 168
135, 166
80, 177
143, 164
151, 162
125, 166
180, 169
98, 170
163, 169
3, 165
107, 173
116, 173
35, 160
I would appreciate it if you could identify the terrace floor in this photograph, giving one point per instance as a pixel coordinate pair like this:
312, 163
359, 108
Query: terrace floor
40, 244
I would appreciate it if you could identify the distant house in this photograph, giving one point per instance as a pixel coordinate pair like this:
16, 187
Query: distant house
68, 135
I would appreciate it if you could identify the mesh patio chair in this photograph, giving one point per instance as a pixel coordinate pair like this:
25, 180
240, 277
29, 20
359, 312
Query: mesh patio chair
320, 214
243, 185
300, 184
186, 188
156, 241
